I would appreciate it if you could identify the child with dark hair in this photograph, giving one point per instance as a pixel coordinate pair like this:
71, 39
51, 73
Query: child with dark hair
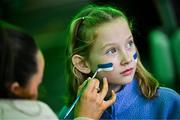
21, 71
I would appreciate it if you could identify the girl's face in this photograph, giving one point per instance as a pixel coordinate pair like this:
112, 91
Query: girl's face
114, 43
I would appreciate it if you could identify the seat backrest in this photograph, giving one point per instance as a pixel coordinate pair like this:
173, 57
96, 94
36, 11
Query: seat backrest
161, 57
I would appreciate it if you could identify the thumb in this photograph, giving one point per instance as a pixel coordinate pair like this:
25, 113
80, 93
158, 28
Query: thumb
111, 100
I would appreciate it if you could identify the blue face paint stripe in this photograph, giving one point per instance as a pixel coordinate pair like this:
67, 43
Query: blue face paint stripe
106, 65
135, 56
103, 67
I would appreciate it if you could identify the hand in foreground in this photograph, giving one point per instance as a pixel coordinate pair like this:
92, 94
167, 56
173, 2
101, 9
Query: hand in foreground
92, 103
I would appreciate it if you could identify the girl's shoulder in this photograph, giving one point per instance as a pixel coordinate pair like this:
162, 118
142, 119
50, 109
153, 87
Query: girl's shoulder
168, 100
168, 93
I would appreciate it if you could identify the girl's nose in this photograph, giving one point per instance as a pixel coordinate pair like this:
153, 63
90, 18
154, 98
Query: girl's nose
125, 58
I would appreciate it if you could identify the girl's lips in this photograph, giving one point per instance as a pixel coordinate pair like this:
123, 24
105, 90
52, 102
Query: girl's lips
127, 72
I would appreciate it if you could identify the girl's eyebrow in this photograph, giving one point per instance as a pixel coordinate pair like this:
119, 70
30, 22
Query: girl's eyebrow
111, 44
130, 37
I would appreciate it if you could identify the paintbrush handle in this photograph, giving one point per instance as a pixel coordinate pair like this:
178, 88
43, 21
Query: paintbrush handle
72, 106
95, 74
77, 99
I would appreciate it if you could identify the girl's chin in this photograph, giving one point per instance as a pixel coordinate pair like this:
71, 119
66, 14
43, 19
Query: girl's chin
122, 81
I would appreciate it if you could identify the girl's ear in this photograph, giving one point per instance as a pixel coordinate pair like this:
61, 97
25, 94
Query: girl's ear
81, 64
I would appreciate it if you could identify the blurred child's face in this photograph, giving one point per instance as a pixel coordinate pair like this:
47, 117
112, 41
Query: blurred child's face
30, 91
114, 43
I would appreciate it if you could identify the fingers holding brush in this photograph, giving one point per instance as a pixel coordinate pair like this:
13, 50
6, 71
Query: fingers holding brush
92, 103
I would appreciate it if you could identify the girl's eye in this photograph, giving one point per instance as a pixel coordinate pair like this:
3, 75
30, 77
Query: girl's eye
111, 51
130, 44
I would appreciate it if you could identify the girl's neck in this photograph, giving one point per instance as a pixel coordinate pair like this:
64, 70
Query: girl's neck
113, 87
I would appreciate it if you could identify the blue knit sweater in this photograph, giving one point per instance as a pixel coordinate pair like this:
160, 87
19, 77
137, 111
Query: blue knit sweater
131, 104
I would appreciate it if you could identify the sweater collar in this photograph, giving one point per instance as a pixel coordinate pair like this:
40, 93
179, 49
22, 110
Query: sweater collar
126, 96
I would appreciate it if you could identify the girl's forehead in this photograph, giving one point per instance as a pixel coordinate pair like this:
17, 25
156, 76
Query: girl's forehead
113, 25
114, 30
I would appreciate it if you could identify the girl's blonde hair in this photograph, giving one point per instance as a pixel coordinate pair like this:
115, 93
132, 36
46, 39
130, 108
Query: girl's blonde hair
80, 40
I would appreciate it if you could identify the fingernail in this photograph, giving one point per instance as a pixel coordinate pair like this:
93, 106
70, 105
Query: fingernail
105, 78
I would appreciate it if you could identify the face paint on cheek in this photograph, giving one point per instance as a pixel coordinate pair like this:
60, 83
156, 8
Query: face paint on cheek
103, 67
135, 57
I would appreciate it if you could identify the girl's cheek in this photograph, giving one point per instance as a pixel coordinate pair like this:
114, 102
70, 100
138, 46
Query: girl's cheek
108, 75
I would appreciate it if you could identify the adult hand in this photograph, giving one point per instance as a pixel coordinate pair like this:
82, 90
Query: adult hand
92, 103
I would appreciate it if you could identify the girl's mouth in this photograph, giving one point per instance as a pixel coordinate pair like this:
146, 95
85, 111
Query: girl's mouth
127, 72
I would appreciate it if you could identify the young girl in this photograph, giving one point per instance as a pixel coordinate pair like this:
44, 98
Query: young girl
99, 35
